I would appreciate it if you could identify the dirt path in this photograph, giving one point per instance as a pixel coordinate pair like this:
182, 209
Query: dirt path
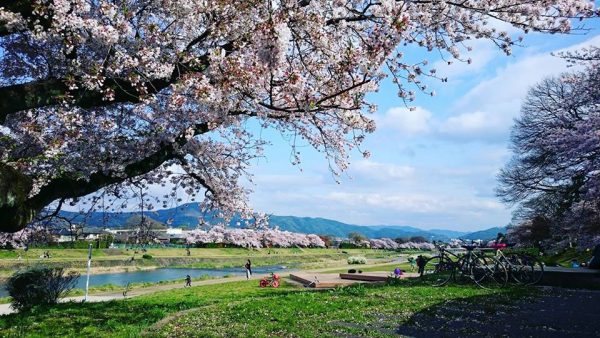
112, 295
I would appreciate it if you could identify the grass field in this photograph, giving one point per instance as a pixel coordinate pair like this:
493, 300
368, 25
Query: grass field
68, 254
120, 259
243, 309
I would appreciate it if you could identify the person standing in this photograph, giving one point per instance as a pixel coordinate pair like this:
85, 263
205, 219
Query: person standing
188, 281
248, 267
421, 264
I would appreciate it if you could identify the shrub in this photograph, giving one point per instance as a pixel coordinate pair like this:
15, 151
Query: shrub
146, 256
39, 285
357, 260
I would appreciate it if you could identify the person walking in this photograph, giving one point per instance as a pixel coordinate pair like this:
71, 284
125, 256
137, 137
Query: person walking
248, 267
188, 281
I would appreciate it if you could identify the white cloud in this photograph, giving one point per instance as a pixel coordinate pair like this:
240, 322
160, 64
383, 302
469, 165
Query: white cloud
476, 124
276, 181
416, 203
488, 109
368, 169
410, 122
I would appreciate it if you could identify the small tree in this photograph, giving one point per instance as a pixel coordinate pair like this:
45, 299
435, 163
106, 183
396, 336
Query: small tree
356, 237
401, 240
327, 239
418, 239
39, 285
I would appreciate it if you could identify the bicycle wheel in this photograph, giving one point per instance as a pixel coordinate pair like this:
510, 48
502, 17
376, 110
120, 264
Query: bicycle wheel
463, 273
526, 269
489, 272
437, 271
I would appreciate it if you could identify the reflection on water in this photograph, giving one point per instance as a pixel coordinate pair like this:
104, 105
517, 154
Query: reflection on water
163, 274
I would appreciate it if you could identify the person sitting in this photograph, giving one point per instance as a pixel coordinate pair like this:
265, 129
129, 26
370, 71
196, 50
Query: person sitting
594, 263
398, 272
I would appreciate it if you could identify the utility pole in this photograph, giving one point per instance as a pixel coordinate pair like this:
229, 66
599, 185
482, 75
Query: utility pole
89, 264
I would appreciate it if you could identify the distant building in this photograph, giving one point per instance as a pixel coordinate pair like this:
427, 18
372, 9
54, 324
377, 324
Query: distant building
165, 236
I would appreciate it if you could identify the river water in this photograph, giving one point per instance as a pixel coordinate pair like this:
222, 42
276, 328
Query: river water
162, 274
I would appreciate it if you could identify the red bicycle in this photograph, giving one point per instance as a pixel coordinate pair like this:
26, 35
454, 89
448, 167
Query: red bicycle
273, 281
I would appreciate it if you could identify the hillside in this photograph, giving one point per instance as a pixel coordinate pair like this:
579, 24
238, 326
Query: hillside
486, 234
187, 215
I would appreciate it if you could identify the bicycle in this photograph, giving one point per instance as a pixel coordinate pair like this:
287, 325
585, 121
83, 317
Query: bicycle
522, 268
273, 281
439, 270
485, 271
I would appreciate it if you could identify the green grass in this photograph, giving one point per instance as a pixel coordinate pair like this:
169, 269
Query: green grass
243, 309
565, 257
61, 254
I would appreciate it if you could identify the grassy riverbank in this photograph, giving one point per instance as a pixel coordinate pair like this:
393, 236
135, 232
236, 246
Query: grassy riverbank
117, 260
243, 309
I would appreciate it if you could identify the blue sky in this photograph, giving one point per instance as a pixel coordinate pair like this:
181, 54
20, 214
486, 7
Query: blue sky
434, 167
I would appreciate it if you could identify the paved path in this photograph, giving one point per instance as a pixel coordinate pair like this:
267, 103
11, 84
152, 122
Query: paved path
556, 313
112, 295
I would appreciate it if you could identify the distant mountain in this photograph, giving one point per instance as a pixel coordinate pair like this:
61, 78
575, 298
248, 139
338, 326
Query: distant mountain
330, 227
448, 233
187, 215
486, 234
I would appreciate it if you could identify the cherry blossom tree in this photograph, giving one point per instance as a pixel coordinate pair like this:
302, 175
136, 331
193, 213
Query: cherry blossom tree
554, 174
254, 238
15, 239
383, 243
106, 95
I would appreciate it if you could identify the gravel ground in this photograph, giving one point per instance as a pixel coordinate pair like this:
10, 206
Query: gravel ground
556, 313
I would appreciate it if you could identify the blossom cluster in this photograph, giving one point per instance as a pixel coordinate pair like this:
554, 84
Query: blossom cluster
254, 238
390, 244
17, 239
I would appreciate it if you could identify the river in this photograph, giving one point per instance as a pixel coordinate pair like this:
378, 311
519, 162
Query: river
162, 274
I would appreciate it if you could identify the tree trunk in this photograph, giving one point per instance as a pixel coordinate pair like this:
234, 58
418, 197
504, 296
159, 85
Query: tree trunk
15, 209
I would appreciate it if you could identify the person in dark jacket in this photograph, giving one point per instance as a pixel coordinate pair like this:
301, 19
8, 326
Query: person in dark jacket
248, 267
421, 264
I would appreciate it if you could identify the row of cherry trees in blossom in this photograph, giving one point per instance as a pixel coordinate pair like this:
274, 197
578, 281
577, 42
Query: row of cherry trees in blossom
254, 238
390, 244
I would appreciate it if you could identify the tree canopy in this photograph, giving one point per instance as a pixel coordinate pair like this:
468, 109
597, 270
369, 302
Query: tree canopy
112, 95
554, 174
